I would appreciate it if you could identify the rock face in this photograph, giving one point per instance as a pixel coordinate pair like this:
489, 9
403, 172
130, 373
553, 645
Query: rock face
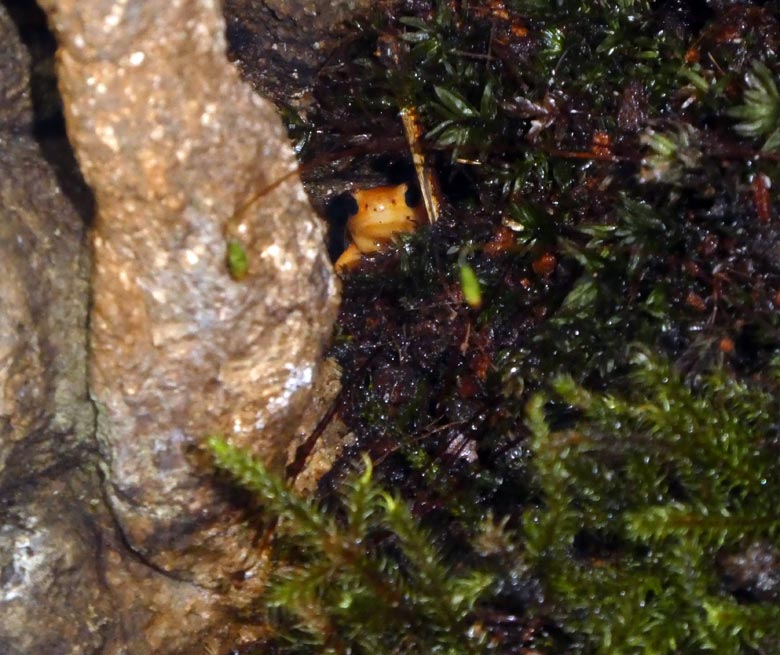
42, 260
178, 152
114, 539
48, 567
280, 45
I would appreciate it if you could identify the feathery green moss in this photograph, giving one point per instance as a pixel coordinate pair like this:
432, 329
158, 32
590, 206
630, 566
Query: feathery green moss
635, 504
642, 495
370, 580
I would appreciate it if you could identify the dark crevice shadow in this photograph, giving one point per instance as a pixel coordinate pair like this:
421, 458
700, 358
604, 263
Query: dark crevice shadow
48, 127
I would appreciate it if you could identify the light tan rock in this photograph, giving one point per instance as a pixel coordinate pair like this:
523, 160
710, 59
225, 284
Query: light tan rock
176, 149
121, 543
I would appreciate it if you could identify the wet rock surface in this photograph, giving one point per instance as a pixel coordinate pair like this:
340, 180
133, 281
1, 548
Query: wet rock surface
297, 54
51, 596
177, 148
755, 573
279, 45
43, 261
122, 543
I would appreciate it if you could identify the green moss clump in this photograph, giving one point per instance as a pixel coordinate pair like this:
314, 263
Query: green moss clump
635, 502
642, 494
371, 580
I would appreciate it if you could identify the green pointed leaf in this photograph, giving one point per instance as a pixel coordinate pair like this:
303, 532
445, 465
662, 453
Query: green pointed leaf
454, 103
488, 107
773, 142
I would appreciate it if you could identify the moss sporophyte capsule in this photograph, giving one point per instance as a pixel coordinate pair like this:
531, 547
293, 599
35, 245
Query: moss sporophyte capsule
237, 260
469, 284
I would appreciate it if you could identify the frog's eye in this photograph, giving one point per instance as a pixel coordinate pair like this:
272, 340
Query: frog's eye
338, 210
381, 213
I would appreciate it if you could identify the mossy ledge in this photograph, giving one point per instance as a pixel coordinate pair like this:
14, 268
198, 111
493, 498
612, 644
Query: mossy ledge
586, 461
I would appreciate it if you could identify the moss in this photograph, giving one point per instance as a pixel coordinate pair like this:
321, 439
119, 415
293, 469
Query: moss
372, 582
634, 504
605, 175
641, 496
